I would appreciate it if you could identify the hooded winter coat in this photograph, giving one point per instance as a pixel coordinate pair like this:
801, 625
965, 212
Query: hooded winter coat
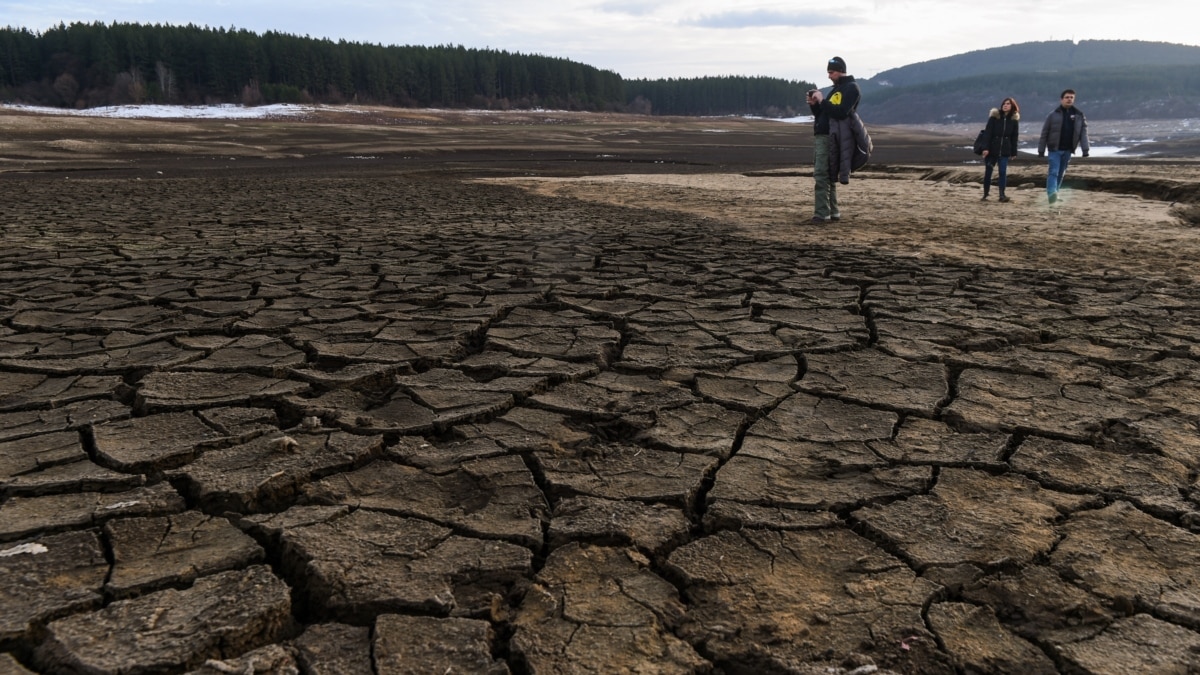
849, 147
1002, 131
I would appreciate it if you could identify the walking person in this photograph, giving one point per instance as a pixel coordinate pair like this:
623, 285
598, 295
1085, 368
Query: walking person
842, 101
1064, 131
1002, 130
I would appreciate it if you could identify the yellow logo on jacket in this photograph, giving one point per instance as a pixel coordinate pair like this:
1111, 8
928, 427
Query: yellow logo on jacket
836, 99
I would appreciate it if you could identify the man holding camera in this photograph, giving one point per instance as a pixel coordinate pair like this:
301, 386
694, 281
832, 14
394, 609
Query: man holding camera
842, 100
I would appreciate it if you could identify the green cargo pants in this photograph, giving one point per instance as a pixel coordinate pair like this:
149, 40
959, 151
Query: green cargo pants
825, 191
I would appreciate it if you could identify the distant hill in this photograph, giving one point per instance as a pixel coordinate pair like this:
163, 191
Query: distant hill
1115, 79
88, 65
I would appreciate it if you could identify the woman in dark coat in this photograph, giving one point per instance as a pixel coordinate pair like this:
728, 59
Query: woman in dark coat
1002, 126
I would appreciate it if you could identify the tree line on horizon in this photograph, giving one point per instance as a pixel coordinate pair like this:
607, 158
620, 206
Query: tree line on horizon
84, 65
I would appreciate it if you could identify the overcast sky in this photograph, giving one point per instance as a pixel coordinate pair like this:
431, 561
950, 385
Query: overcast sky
671, 38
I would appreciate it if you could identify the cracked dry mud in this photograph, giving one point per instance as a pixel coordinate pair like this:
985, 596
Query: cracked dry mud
320, 422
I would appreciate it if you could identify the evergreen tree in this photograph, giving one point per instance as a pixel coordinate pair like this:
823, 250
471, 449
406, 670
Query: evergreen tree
98, 64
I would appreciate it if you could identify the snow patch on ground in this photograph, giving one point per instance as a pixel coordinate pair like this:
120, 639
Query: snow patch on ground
231, 111
228, 111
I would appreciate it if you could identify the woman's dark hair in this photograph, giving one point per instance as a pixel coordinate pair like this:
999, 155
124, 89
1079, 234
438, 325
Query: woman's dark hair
1016, 108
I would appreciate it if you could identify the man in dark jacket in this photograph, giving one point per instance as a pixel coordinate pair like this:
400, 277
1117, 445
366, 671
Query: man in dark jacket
842, 101
1064, 131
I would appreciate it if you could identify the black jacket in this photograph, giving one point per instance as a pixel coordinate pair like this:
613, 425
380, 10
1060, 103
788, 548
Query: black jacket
841, 101
1052, 130
849, 147
1002, 131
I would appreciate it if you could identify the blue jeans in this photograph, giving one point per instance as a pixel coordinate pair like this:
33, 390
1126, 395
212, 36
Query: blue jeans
1058, 168
988, 164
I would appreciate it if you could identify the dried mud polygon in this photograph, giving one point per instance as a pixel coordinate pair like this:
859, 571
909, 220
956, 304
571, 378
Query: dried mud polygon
361, 419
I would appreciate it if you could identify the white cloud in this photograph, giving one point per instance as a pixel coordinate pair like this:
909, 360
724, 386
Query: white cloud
762, 18
630, 8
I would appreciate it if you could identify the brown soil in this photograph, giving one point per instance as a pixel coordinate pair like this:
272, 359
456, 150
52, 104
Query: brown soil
1102, 223
919, 196
658, 419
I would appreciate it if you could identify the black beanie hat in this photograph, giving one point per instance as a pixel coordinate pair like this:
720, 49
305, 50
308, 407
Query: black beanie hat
837, 64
